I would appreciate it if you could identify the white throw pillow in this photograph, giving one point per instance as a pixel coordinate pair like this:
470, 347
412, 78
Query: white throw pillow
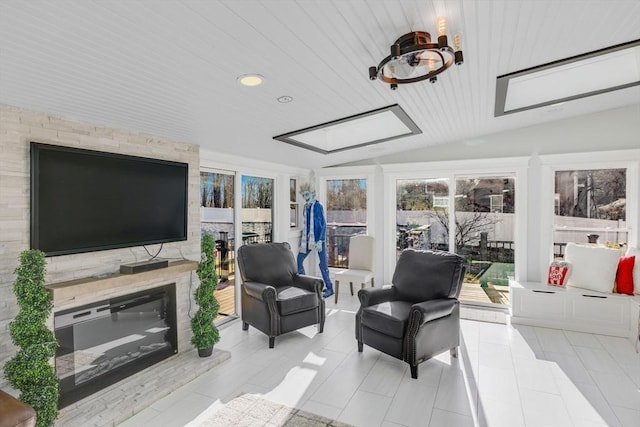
592, 267
636, 268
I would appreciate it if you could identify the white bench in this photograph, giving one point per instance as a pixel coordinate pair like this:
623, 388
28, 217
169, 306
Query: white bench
576, 309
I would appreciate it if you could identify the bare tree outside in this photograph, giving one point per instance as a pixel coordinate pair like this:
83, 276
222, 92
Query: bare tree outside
257, 192
206, 190
216, 190
468, 226
599, 193
346, 194
484, 209
476, 203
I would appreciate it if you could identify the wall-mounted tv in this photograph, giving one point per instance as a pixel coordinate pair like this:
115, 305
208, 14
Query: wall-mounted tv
84, 200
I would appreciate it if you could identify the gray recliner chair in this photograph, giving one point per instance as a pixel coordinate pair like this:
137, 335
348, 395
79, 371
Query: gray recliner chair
275, 299
417, 317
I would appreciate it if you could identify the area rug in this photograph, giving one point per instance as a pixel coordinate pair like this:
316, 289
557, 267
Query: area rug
251, 410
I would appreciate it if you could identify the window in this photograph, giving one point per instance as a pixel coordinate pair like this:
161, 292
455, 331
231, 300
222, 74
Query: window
257, 209
591, 207
588, 197
496, 203
346, 211
217, 217
422, 214
293, 206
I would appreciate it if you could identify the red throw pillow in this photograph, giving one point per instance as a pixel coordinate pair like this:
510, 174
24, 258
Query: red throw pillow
558, 273
624, 275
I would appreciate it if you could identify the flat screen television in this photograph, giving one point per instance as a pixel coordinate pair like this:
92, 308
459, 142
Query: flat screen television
84, 200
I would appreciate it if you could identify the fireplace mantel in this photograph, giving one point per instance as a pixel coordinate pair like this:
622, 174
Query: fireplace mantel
81, 291
121, 400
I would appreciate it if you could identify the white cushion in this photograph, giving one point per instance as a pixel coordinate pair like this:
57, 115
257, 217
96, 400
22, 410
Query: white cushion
354, 276
361, 252
592, 267
636, 268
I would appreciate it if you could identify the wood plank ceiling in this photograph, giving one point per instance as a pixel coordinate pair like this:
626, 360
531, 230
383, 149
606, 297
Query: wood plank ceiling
169, 68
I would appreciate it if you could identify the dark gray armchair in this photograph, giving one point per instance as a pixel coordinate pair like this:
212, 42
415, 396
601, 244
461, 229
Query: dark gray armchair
276, 299
417, 317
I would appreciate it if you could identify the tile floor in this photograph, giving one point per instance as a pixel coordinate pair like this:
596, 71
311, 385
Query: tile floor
505, 376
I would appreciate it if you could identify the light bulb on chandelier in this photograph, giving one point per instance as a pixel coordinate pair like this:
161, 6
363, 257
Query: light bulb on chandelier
413, 57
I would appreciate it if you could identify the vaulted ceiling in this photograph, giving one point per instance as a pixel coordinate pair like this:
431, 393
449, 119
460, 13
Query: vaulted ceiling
169, 68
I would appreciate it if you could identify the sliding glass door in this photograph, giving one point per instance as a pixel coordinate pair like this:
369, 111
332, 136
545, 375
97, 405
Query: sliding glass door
484, 236
481, 228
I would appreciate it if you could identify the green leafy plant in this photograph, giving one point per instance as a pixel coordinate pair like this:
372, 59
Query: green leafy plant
205, 332
29, 370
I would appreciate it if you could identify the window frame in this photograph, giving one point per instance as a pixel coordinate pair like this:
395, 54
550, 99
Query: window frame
344, 173
274, 203
622, 159
294, 204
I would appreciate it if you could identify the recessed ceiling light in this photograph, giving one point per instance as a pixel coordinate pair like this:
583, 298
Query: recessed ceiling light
250, 79
285, 98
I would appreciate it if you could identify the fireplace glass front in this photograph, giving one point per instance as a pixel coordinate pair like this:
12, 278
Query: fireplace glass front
104, 342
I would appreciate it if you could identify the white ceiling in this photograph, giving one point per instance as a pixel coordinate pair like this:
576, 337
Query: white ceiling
169, 68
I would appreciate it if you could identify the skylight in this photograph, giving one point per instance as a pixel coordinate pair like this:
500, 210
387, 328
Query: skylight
601, 71
372, 127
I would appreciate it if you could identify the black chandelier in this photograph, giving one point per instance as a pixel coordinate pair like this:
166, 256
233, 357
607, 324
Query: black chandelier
414, 57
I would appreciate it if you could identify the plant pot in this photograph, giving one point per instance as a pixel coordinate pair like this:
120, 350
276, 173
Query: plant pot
205, 352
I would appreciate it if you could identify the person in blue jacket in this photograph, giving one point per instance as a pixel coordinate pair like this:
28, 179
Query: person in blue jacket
314, 236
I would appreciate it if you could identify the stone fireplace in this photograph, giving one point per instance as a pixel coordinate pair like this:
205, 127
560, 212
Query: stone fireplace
99, 300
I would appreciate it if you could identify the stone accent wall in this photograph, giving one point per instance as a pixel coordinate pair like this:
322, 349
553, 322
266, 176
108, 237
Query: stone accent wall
17, 128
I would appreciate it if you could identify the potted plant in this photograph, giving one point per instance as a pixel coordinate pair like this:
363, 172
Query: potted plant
30, 370
205, 332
